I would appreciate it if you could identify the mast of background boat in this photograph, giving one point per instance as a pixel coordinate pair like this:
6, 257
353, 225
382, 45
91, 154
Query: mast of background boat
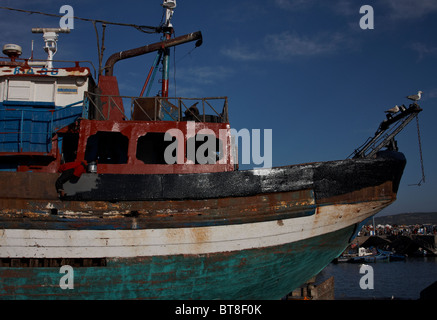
169, 6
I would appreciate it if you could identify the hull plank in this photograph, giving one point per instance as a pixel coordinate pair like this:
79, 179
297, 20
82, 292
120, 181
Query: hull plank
25, 243
262, 273
160, 214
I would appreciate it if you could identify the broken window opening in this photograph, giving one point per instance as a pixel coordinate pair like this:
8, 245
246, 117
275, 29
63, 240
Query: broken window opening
69, 147
107, 148
151, 148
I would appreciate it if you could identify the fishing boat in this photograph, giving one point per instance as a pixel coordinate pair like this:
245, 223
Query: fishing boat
105, 196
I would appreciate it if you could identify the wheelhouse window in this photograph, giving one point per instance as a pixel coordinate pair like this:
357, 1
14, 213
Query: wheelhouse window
151, 148
107, 148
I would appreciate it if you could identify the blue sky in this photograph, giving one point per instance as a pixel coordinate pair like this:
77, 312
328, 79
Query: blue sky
303, 68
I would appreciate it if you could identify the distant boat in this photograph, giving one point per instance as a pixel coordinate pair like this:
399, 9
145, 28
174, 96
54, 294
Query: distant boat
378, 256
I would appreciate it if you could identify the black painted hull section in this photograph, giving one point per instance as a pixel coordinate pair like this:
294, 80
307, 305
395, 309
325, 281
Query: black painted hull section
327, 179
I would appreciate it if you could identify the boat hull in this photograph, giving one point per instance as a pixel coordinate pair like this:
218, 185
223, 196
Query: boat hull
261, 273
284, 226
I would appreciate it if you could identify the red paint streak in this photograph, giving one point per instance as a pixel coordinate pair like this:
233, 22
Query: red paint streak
77, 68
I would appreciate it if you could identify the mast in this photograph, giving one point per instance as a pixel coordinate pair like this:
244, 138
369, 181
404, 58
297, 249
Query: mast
169, 6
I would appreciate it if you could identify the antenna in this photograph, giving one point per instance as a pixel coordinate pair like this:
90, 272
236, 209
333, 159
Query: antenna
50, 36
31, 56
169, 5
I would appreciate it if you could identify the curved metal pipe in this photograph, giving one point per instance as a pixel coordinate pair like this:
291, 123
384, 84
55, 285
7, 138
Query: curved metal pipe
109, 66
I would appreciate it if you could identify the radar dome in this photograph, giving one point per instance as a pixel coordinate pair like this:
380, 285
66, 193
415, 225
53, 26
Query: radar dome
12, 50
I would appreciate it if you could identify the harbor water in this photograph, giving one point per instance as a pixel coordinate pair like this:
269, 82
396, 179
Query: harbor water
397, 279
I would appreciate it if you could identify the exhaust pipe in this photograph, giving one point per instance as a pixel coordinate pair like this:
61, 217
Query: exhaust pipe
109, 66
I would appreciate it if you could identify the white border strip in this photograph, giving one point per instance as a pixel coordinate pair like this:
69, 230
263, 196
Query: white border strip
20, 243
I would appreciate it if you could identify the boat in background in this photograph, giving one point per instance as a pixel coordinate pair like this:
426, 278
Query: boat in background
370, 255
130, 224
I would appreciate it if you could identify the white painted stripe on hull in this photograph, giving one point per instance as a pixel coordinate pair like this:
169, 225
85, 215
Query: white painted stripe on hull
20, 243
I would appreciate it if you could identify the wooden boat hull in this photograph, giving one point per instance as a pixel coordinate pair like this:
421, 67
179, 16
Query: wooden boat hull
260, 244
259, 273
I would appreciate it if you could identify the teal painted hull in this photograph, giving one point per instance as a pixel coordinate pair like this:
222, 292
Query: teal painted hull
265, 273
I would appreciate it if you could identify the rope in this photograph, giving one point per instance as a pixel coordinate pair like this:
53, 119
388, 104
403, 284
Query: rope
175, 62
187, 54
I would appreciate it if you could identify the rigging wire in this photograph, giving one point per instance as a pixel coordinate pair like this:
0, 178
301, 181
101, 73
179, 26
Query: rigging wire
142, 28
174, 70
100, 49
420, 153
175, 62
188, 53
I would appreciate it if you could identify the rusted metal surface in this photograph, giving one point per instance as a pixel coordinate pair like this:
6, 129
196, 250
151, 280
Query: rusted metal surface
24, 185
10, 69
11, 63
109, 66
64, 215
134, 130
383, 191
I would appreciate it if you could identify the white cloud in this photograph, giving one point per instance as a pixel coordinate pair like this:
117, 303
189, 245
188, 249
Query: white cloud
242, 53
341, 7
203, 74
407, 9
397, 9
286, 45
423, 50
293, 5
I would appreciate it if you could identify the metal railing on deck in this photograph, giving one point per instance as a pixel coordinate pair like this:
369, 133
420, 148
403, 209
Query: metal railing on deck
211, 109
